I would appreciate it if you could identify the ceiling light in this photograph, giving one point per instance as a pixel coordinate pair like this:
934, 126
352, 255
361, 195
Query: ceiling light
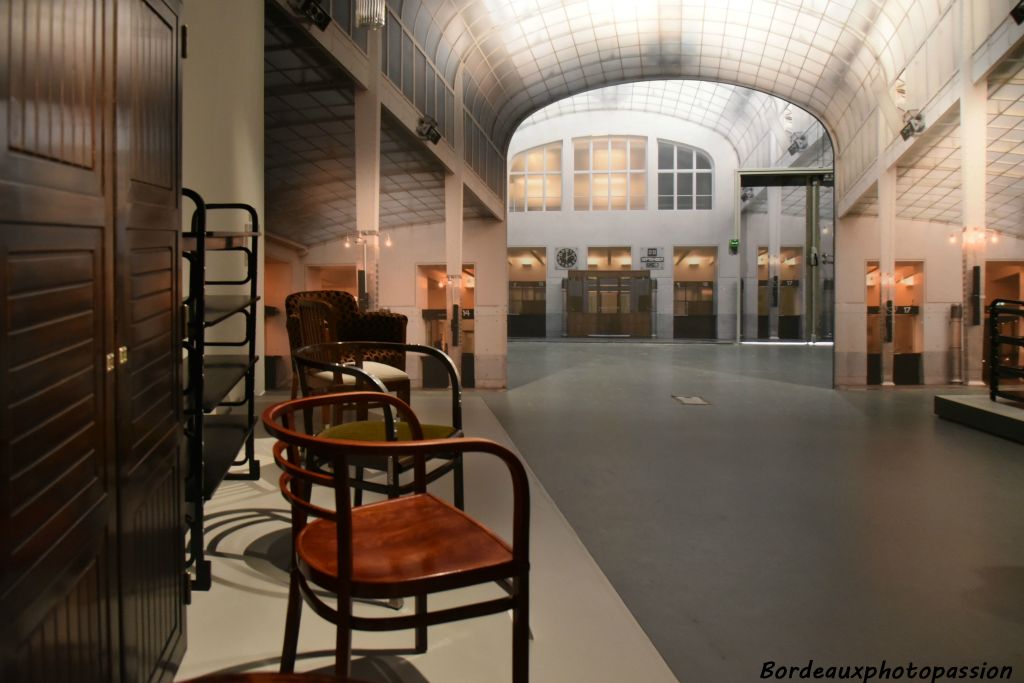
312, 10
370, 14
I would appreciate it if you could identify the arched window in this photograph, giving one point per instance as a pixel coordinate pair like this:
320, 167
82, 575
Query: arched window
535, 179
609, 173
685, 177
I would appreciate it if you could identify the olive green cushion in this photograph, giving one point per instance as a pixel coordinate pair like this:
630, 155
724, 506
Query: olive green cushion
365, 430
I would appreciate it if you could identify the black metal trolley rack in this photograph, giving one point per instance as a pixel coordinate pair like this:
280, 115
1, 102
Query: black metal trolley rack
215, 433
1002, 311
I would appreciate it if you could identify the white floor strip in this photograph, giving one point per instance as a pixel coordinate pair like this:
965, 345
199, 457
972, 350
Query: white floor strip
582, 630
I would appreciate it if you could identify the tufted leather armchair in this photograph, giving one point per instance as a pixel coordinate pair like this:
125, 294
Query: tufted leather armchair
331, 315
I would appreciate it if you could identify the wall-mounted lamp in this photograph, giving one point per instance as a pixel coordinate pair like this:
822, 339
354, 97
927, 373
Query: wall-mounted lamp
746, 194
312, 10
387, 239
428, 130
370, 14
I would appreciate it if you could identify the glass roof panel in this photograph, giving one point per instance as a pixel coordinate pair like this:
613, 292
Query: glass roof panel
740, 115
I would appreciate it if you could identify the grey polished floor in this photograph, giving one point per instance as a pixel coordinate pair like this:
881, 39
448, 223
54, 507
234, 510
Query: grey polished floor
785, 521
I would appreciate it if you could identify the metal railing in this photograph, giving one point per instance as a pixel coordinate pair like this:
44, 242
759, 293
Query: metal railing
1006, 365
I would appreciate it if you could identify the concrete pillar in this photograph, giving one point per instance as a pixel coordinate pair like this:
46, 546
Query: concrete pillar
367, 152
453, 215
887, 264
453, 197
774, 258
973, 149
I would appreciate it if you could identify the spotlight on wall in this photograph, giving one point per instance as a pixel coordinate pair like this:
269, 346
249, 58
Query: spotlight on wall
428, 130
1018, 12
797, 143
914, 126
387, 239
312, 10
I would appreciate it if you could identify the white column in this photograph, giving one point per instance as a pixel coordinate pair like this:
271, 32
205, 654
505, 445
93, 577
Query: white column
886, 259
453, 214
774, 257
453, 191
367, 152
973, 148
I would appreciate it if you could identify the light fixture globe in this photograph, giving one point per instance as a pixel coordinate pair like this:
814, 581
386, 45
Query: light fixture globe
370, 14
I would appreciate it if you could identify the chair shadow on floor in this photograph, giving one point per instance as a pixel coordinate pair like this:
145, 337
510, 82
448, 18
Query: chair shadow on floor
375, 669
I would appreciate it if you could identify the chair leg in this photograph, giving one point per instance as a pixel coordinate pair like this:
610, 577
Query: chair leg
460, 501
359, 487
343, 641
291, 626
421, 630
521, 632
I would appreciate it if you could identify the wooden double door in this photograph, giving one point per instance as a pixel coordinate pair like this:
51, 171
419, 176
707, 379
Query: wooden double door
91, 468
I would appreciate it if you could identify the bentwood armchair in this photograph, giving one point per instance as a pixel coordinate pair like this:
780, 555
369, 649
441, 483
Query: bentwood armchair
412, 546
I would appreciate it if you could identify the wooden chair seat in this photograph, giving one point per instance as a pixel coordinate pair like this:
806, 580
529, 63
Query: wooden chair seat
405, 546
409, 546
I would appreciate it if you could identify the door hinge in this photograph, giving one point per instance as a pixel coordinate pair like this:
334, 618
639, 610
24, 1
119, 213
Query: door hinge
110, 362
122, 355
184, 41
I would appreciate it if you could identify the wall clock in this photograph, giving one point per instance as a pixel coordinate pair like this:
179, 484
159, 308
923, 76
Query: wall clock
566, 258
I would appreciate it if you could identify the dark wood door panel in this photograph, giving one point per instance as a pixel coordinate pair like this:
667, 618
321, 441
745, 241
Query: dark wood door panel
56, 466
71, 641
52, 117
149, 399
153, 604
149, 108
147, 236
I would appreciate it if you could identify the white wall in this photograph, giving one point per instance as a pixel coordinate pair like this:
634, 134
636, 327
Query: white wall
222, 125
638, 229
402, 291
857, 243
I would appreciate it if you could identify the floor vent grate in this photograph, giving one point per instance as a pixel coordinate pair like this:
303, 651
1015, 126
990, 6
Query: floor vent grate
691, 400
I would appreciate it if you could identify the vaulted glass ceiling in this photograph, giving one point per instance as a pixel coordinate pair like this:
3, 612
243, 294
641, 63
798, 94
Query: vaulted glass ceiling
742, 116
832, 57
